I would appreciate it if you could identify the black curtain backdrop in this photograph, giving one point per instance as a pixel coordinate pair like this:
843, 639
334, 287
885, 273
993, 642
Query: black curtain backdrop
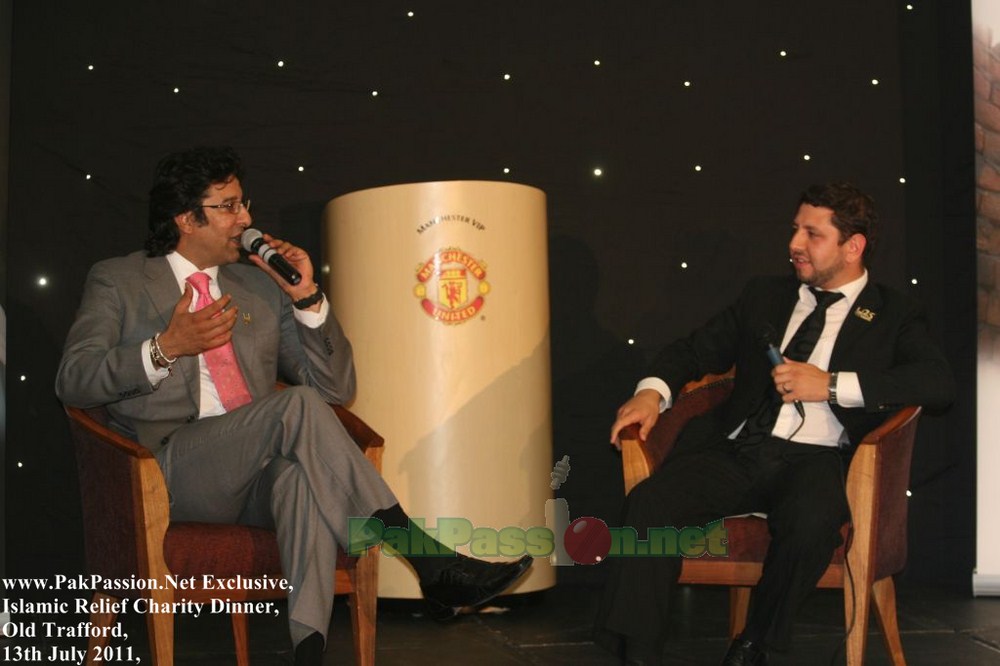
706, 119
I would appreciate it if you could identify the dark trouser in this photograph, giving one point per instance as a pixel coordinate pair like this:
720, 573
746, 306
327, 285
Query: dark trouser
799, 486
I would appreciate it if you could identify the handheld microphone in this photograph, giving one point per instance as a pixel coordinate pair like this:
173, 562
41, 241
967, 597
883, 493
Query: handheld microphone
774, 356
253, 242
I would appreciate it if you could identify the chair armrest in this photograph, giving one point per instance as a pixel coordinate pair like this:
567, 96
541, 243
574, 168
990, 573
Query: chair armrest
877, 481
637, 464
895, 428
369, 441
359, 431
124, 501
95, 422
641, 458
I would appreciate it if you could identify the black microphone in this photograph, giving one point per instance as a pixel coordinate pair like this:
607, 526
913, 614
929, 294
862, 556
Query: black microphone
774, 356
253, 242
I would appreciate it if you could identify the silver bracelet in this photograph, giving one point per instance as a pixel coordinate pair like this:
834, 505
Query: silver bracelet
156, 354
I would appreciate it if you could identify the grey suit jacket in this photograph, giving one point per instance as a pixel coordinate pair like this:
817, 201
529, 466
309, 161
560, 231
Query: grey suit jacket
126, 300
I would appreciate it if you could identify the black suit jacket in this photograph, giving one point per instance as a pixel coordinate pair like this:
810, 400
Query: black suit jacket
884, 339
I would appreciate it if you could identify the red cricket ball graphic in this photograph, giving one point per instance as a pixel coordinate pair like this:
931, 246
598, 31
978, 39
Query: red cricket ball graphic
587, 540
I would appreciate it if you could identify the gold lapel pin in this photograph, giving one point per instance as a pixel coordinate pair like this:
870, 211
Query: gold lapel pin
865, 314
246, 318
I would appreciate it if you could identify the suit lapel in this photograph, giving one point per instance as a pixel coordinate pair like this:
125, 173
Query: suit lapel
862, 317
779, 309
161, 287
786, 305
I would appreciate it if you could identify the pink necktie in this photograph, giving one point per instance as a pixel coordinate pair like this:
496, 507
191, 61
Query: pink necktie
221, 361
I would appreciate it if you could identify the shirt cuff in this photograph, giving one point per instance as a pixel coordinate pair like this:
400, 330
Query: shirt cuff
849, 390
311, 319
660, 386
153, 373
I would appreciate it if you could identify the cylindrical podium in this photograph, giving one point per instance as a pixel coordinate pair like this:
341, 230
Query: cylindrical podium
442, 289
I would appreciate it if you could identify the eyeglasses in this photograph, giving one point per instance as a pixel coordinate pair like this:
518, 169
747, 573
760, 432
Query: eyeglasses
231, 207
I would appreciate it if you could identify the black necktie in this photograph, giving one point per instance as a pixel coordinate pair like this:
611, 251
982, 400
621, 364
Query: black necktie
807, 335
761, 420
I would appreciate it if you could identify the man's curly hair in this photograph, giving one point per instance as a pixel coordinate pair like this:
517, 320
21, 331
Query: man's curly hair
179, 186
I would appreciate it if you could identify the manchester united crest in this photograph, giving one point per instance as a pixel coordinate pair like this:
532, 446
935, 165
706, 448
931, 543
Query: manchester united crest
451, 285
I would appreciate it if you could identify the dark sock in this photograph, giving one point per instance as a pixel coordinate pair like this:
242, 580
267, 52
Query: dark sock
310, 651
426, 566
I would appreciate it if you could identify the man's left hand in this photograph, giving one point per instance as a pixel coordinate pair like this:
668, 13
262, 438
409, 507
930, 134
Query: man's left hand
300, 261
801, 381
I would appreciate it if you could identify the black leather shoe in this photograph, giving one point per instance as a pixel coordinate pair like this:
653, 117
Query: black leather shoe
469, 582
745, 653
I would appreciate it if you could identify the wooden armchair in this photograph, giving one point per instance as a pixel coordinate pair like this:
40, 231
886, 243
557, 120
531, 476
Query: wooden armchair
876, 491
128, 534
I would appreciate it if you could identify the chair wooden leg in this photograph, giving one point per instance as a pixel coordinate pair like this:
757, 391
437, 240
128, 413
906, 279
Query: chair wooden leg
884, 595
160, 627
860, 556
739, 605
101, 620
241, 636
364, 606
858, 615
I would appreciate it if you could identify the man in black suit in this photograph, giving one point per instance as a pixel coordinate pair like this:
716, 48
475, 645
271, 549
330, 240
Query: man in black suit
853, 351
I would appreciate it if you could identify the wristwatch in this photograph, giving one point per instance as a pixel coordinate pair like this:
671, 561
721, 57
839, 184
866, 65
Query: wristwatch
832, 389
309, 301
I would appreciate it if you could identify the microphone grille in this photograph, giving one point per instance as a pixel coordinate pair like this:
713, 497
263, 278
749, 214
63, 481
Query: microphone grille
248, 238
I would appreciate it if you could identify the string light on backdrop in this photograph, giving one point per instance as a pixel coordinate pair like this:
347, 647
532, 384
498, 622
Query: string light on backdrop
452, 92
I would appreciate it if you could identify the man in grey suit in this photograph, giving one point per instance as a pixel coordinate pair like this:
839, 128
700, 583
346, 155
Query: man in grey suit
185, 345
